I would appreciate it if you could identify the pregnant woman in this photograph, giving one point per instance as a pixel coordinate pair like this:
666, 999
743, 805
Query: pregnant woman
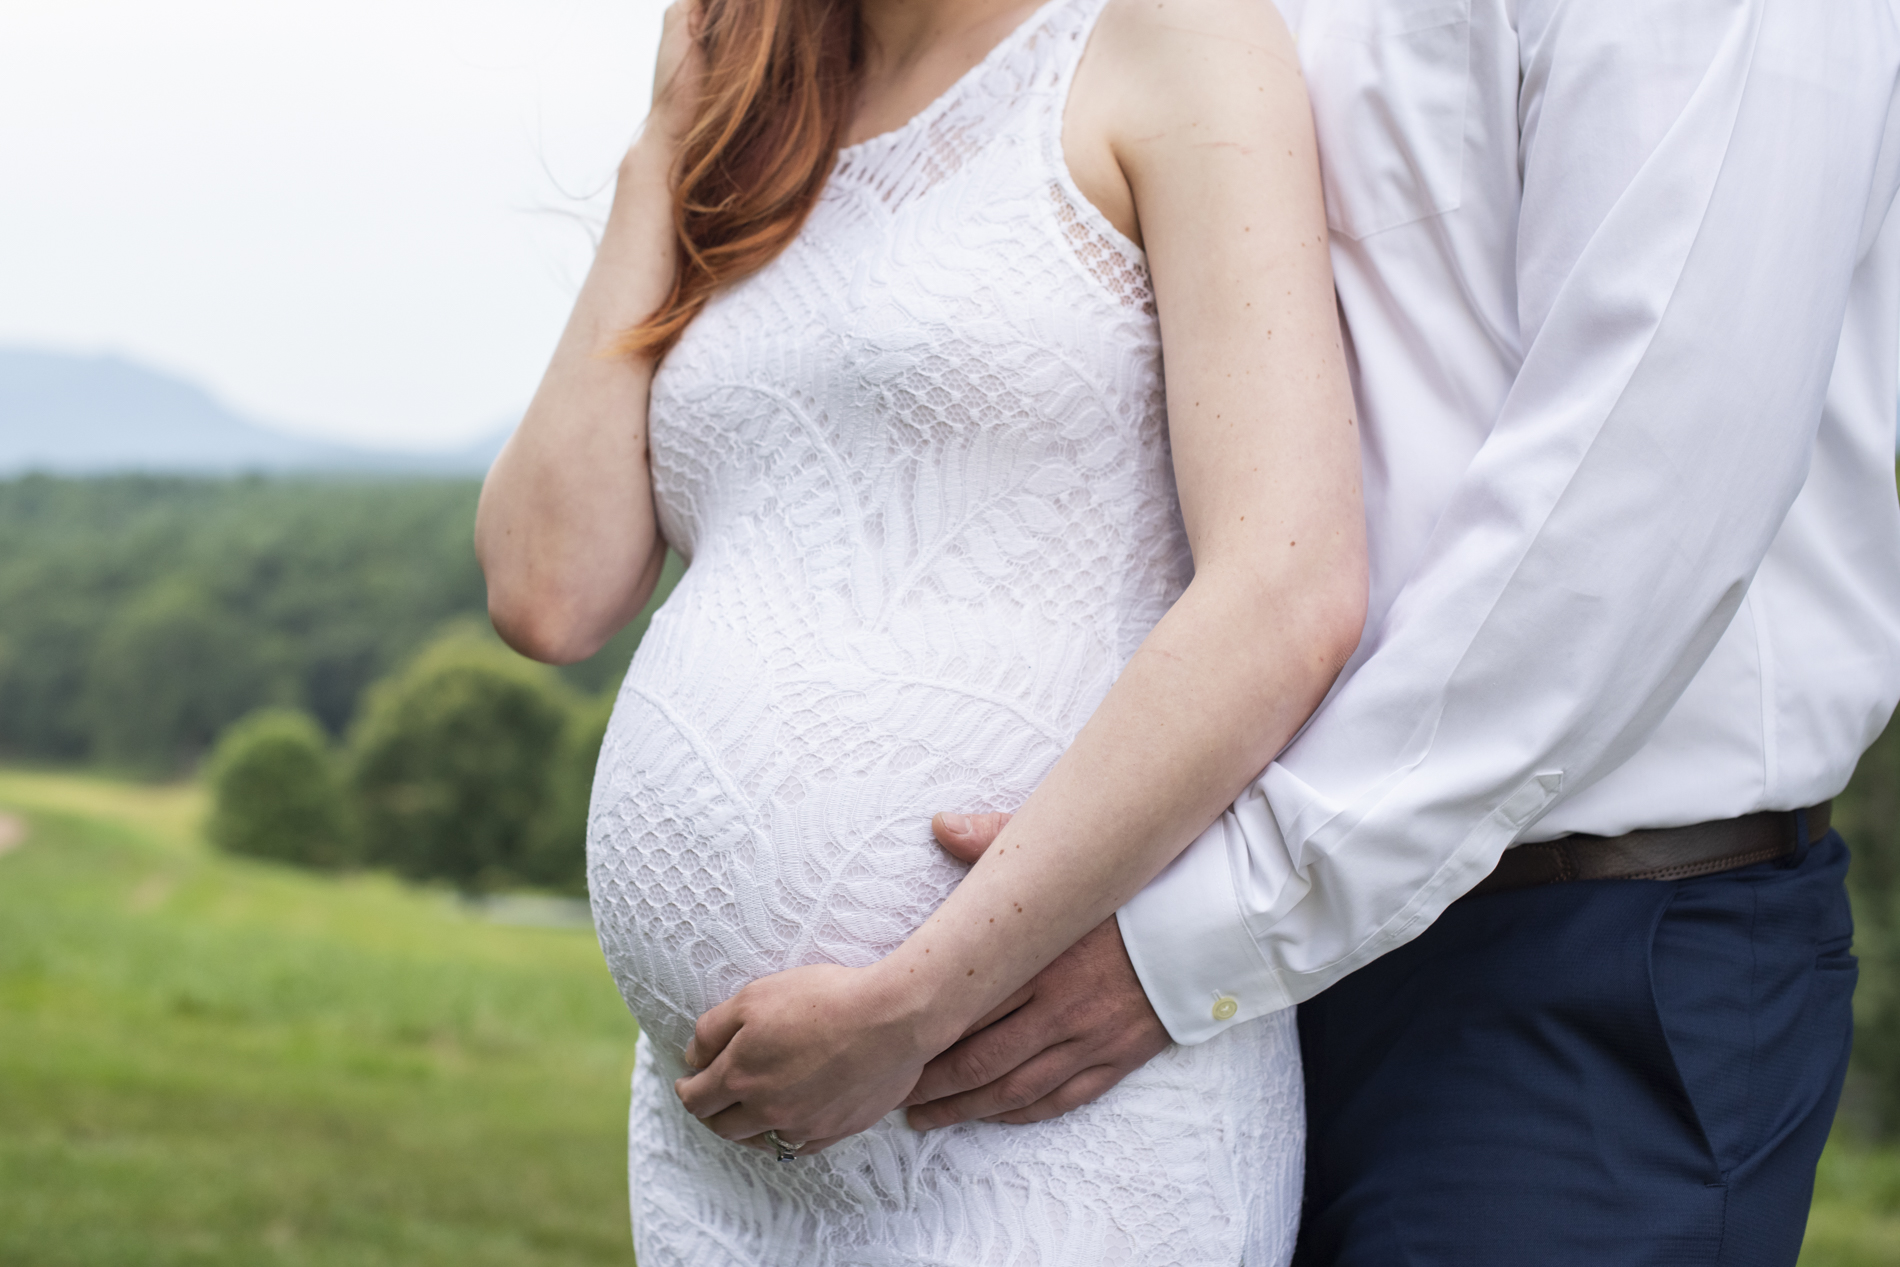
875, 340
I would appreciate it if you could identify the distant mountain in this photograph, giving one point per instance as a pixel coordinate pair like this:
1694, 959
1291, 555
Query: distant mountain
86, 415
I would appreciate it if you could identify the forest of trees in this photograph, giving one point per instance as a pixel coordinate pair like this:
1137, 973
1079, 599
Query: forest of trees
140, 616
327, 638
333, 633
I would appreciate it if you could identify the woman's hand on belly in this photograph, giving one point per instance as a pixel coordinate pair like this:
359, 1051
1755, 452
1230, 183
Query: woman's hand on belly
814, 1053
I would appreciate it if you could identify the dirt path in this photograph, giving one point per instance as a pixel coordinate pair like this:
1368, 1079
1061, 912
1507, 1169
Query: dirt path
12, 833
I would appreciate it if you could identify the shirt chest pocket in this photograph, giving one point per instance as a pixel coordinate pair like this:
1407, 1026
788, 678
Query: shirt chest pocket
1388, 80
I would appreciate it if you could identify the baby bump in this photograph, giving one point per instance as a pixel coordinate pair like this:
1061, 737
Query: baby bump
781, 820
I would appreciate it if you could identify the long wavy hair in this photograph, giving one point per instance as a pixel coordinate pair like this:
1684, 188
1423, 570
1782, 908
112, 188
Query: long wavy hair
774, 100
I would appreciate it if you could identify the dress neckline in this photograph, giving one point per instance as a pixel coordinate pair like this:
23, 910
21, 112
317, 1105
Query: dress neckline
944, 100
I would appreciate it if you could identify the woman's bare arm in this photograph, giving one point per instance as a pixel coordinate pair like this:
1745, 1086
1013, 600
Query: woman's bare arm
1209, 127
565, 531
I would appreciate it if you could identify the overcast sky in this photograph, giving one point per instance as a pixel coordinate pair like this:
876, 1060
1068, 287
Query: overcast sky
354, 219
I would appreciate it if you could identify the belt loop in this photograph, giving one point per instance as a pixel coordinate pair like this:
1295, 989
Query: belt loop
1800, 854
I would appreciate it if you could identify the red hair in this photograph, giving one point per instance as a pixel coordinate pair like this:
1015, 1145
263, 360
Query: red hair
774, 101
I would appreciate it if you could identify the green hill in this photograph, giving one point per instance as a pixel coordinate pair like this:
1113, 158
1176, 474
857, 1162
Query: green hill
208, 1061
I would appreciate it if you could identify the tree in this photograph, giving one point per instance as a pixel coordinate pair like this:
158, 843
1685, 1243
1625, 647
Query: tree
275, 792
453, 763
117, 593
557, 847
170, 671
1868, 816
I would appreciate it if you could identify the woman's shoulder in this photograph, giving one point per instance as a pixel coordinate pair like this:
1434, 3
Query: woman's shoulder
1242, 19
1192, 55
1170, 89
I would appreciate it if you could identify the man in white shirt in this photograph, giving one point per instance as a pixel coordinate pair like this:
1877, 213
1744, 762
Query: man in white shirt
1622, 293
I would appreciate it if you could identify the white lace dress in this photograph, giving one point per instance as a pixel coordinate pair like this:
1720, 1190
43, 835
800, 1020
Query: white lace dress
920, 466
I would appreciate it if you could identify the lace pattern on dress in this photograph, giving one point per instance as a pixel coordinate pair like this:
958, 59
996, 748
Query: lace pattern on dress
920, 465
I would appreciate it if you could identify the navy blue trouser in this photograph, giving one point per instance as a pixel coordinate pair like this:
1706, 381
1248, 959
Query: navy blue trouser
1603, 1073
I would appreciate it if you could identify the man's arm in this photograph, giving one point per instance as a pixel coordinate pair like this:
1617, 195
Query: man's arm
1684, 263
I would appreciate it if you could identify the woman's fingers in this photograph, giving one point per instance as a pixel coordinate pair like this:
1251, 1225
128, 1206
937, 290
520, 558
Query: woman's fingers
741, 1121
704, 1094
812, 1146
817, 1052
808, 1148
712, 1032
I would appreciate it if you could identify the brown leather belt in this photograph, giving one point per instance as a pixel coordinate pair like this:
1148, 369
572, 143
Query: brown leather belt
1663, 853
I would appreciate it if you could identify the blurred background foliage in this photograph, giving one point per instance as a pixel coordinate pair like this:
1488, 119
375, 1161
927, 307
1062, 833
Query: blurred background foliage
143, 618
452, 767
140, 615
275, 792
1868, 817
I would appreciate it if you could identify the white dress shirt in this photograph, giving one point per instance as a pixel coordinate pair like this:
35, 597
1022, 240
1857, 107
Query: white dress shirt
1622, 296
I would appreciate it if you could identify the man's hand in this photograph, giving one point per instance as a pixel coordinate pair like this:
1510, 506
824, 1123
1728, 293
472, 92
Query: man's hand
1078, 1028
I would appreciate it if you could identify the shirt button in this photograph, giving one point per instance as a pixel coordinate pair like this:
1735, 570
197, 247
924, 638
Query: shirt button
1225, 1007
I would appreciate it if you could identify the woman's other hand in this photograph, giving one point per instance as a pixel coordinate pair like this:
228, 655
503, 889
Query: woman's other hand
677, 75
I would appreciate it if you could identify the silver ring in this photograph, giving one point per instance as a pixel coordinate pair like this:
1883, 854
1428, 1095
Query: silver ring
786, 1152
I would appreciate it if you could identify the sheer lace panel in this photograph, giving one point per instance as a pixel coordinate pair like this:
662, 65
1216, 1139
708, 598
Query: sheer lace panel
1104, 257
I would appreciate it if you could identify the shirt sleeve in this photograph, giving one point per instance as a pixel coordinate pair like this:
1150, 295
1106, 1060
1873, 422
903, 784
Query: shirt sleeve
1683, 265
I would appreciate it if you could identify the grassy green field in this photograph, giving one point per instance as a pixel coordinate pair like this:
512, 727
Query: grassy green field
1855, 1221
208, 1061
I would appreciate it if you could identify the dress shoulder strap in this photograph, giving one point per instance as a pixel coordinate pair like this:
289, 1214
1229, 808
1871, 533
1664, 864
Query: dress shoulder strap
1117, 263
1064, 35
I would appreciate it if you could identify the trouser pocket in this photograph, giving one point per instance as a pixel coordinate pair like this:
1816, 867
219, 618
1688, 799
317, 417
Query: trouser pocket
1753, 985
